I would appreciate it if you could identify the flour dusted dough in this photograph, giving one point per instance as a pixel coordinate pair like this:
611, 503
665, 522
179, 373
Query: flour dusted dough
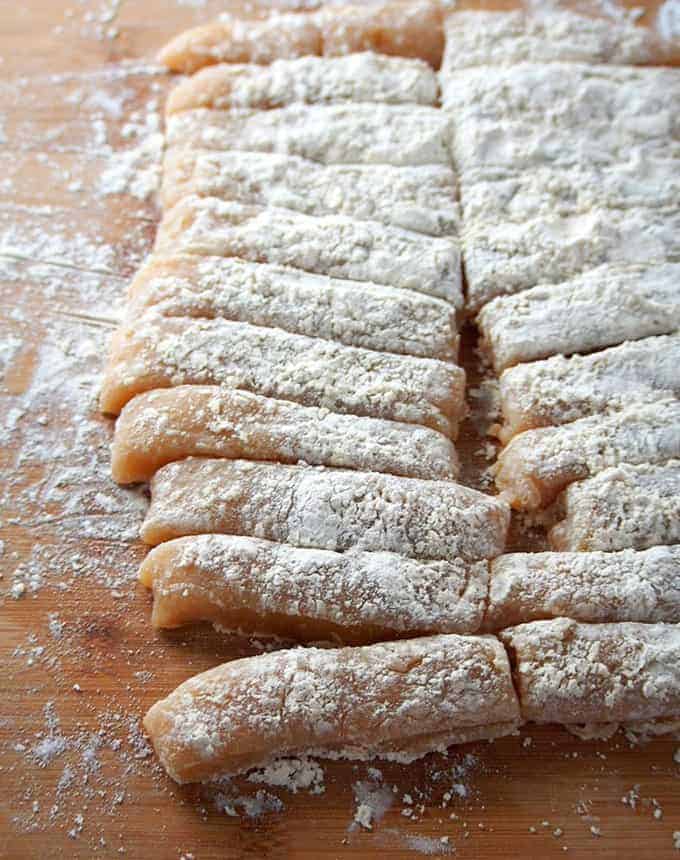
312, 80
507, 256
321, 508
229, 39
398, 700
405, 29
330, 245
204, 420
586, 586
421, 198
330, 134
241, 583
160, 352
485, 38
356, 313
558, 390
535, 116
602, 307
625, 506
567, 672
539, 464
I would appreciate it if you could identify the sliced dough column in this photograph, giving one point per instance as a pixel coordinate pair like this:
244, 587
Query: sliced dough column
340, 296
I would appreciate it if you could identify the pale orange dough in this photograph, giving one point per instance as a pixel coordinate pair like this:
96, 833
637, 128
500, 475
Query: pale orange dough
233, 40
405, 29
539, 464
397, 701
246, 584
162, 352
567, 672
356, 313
586, 586
364, 77
322, 508
160, 426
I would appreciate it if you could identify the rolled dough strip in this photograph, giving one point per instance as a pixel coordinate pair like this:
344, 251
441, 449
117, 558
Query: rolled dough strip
206, 421
577, 116
625, 506
566, 672
356, 313
558, 390
585, 586
485, 38
397, 700
538, 464
600, 308
330, 134
309, 80
323, 508
161, 352
232, 40
420, 198
411, 29
357, 598
405, 29
510, 256
330, 245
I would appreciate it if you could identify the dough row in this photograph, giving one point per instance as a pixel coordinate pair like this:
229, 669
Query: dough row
401, 700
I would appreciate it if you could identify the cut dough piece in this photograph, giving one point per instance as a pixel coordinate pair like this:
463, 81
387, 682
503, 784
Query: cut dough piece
420, 198
233, 40
356, 313
253, 585
397, 700
404, 29
591, 587
206, 421
600, 308
623, 507
160, 352
510, 256
558, 389
323, 508
506, 120
308, 80
538, 464
330, 245
485, 38
566, 672
330, 134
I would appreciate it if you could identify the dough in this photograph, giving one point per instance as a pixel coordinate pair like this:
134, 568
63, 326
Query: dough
586, 586
244, 584
204, 420
625, 506
421, 198
400, 135
160, 352
566, 672
398, 700
558, 390
600, 308
329, 245
322, 508
539, 464
312, 80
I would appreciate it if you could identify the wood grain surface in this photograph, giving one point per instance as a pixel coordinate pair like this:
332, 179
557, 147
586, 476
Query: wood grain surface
80, 662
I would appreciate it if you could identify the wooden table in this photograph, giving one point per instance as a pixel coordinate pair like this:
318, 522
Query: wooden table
80, 663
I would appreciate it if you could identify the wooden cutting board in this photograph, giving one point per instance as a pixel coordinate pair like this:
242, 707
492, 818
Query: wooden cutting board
79, 100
